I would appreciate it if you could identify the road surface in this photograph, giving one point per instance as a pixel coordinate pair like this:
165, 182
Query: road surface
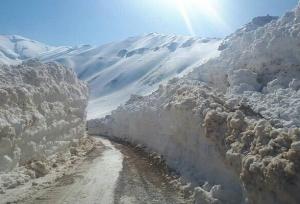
111, 174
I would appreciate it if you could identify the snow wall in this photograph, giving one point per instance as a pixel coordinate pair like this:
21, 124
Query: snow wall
234, 154
42, 109
232, 124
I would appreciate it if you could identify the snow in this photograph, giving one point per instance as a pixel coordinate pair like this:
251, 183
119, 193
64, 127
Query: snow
166, 123
260, 65
114, 71
14, 49
99, 181
232, 124
205, 137
136, 65
42, 109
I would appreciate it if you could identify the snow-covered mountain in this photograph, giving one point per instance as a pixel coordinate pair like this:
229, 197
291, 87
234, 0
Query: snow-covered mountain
14, 49
136, 65
114, 71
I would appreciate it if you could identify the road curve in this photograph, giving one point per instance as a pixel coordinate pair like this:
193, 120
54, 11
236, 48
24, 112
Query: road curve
111, 174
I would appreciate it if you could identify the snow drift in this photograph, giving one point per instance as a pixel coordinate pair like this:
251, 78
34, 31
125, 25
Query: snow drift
233, 123
42, 109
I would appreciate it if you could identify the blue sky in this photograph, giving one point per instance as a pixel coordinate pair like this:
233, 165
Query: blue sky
71, 22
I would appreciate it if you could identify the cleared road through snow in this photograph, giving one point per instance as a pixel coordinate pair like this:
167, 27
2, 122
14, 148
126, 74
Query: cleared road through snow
112, 173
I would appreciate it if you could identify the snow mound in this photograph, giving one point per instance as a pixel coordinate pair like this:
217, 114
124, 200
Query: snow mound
261, 64
42, 109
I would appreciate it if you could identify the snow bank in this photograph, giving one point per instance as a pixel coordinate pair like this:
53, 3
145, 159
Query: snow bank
260, 63
169, 122
232, 124
233, 153
42, 109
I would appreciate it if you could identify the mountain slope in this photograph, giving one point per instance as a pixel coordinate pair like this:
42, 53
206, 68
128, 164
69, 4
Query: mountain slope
136, 65
116, 70
14, 49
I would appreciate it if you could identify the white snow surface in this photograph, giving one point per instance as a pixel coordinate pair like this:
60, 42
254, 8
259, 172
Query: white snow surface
116, 70
14, 49
166, 123
42, 109
260, 65
136, 65
233, 121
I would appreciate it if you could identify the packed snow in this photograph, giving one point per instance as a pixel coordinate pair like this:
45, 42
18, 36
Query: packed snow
42, 109
260, 65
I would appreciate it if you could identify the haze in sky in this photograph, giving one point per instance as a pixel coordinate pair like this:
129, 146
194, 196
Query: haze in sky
72, 22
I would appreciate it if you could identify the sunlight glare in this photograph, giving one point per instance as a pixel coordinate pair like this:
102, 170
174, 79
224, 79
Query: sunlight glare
207, 8
183, 12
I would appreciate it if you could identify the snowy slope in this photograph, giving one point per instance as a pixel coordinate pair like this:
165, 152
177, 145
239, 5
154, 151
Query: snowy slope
136, 65
114, 71
14, 49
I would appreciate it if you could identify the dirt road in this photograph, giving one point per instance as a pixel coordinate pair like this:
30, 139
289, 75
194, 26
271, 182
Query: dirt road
111, 174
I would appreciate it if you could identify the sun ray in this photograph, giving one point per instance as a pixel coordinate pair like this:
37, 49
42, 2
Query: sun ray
186, 18
206, 8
